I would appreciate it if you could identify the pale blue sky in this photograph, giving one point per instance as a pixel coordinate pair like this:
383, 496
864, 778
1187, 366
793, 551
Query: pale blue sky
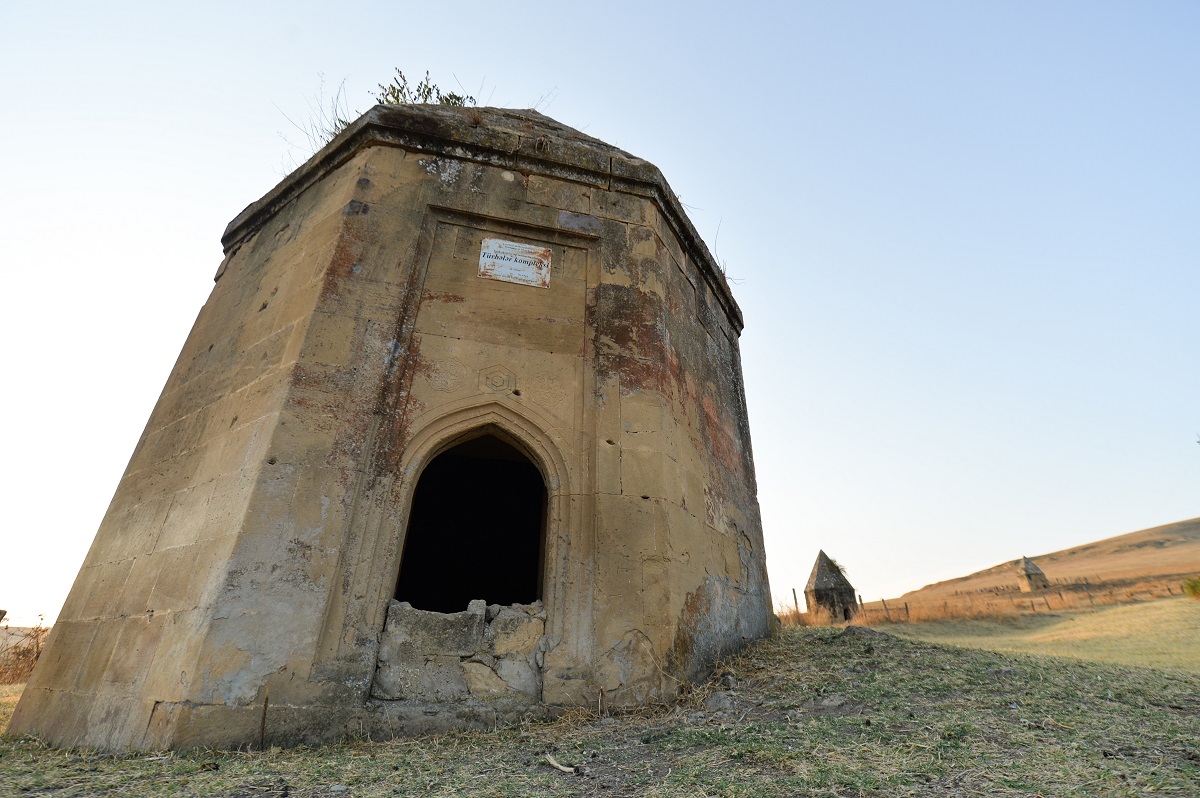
964, 237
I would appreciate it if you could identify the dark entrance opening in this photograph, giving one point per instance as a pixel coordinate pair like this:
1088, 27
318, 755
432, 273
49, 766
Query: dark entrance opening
475, 529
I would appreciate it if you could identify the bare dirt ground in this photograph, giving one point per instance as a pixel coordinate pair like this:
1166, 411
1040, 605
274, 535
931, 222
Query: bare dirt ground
814, 712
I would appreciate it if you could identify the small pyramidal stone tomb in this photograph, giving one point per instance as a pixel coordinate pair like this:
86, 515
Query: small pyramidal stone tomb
460, 435
1030, 578
828, 591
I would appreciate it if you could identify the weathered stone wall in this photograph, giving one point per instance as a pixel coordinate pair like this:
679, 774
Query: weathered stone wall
240, 588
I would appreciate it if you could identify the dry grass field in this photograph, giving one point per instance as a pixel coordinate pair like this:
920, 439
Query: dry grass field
813, 713
9, 693
1161, 634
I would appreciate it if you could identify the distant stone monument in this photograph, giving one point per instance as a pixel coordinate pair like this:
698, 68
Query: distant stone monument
829, 591
460, 434
1030, 577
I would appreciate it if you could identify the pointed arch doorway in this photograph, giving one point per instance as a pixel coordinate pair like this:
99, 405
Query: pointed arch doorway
476, 529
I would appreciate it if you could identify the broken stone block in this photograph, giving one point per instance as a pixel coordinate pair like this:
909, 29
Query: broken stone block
516, 632
397, 651
395, 681
400, 667
520, 675
482, 681
442, 679
437, 633
435, 679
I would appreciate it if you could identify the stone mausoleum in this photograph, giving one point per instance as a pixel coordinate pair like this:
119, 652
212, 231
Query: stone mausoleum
1030, 578
828, 591
460, 434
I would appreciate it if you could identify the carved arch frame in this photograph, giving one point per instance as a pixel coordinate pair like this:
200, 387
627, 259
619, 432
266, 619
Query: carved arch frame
383, 514
523, 429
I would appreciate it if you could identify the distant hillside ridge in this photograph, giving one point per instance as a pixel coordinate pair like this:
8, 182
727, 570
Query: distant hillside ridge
1150, 554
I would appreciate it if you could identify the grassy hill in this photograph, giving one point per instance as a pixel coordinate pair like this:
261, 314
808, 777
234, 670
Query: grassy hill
1151, 554
813, 712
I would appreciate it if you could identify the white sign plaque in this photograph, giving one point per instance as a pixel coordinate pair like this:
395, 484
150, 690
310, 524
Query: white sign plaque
514, 263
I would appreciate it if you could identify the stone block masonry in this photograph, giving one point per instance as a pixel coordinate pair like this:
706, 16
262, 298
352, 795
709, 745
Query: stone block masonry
460, 434
482, 655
